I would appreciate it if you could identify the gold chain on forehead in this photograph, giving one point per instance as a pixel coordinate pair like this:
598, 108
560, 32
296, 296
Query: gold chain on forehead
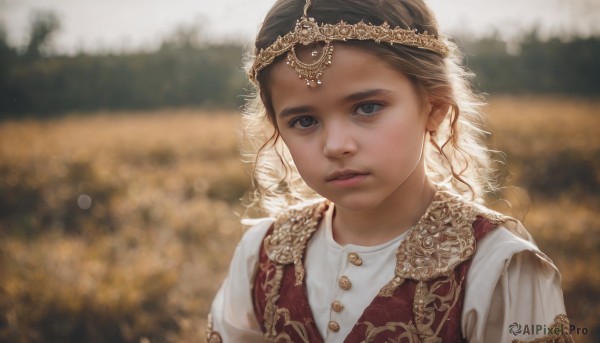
306, 6
307, 32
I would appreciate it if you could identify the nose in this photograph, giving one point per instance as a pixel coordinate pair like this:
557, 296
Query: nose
338, 141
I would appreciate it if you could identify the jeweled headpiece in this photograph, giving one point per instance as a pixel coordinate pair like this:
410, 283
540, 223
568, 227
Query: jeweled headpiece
307, 32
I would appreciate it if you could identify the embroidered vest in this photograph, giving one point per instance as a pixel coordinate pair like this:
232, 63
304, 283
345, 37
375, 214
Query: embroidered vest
422, 303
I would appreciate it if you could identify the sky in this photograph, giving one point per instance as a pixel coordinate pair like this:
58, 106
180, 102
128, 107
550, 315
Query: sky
128, 25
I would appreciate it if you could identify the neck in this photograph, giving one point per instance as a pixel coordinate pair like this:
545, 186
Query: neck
392, 217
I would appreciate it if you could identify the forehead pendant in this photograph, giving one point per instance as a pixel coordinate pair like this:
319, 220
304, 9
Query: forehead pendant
307, 32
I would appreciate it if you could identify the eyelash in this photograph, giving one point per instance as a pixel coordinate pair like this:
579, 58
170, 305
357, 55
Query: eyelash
292, 123
375, 103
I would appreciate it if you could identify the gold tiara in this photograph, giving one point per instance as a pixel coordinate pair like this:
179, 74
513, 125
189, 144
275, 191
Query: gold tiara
307, 31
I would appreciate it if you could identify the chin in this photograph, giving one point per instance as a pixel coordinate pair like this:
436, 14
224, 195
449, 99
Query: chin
354, 202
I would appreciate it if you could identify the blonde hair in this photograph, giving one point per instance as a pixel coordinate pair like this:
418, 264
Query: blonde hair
456, 156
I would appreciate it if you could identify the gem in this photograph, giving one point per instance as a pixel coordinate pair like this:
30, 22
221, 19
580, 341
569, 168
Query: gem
428, 242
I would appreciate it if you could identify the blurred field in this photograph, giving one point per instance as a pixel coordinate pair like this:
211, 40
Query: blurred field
118, 227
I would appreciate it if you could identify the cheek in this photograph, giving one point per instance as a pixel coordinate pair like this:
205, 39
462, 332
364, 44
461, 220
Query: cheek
304, 154
398, 143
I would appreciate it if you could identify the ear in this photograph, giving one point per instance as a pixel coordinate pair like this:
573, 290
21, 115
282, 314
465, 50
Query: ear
436, 116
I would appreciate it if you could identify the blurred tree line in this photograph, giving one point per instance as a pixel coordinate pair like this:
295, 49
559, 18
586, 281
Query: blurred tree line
184, 71
536, 66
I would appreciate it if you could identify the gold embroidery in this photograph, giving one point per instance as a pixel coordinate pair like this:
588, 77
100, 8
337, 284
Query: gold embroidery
390, 287
212, 336
560, 332
285, 245
271, 306
297, 326
409, 333
429, 304
442, 239
291, 232
423, 321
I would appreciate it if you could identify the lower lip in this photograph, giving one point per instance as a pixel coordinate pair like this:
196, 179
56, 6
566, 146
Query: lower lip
349, 182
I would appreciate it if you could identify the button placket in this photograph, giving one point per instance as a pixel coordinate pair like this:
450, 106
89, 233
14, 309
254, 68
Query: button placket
345, 284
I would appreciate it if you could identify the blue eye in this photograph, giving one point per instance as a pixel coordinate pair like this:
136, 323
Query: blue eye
302, 122
368, 109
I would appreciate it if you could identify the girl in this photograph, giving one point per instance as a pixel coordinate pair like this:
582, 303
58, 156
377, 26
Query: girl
371, 165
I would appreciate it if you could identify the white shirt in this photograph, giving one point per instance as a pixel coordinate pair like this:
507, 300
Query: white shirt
510, 281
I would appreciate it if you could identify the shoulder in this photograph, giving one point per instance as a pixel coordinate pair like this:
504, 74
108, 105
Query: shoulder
454, 213
284, 234
256, 230
292, 229
501, 237
484, 222
509, 281
444, 237
247, 251
498, 248
506, 261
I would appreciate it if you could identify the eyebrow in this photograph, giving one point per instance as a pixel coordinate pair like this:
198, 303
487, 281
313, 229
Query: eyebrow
350, 98
365, 94
286, 112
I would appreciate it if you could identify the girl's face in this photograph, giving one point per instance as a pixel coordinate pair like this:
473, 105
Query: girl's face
357, 139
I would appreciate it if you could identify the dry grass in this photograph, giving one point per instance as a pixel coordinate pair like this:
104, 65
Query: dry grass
532, 126
144, 260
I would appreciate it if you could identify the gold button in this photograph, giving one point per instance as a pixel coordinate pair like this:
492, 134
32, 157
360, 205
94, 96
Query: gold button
354, 259
337, 306
345, 283
334, 326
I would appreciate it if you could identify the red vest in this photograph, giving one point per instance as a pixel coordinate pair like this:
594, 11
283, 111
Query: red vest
422, 303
